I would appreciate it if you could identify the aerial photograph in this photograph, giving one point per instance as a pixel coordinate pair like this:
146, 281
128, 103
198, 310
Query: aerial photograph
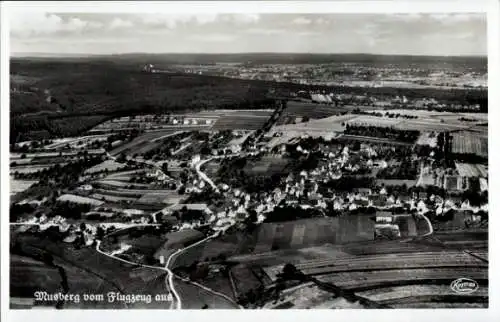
248, 161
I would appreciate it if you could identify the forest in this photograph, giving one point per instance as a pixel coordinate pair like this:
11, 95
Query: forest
54, 98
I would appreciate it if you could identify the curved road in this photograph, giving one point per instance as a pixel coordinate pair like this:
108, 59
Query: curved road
169, 280
203, 176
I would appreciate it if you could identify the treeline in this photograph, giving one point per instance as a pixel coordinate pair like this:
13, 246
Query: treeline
44, 127
288, 213
386, 114
382, 132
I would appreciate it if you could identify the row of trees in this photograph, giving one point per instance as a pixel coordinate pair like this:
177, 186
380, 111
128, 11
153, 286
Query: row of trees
382, 132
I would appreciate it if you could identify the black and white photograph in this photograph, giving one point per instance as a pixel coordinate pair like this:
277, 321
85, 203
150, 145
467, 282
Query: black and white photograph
245, 160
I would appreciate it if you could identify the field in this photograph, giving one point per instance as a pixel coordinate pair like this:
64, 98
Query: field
243, 279
241, 121
111, 198
311, 232
194, 297
29, 276
469, 143
471, 170
91, 272
311, 110
20, 185
272, 242
166, 197
426, 122
142, 141
429, 260
108, 165
267, 165
364, 281
414, 290
309, 296
79, 199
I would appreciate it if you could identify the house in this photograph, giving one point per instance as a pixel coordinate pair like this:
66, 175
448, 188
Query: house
378, 200
364, 191
361, 202
384, 217
85, 188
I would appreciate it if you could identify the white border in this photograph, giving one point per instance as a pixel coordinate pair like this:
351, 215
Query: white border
210, 7
365, 6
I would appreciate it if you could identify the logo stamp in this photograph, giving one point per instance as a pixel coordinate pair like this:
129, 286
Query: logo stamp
464, 285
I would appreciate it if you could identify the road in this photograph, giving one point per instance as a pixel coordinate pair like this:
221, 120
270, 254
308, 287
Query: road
169, 280
431, 229
203, 176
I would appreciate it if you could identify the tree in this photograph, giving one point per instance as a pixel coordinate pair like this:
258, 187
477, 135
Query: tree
100, 233
164, 167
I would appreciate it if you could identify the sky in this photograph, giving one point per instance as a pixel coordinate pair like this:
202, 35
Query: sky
110, 33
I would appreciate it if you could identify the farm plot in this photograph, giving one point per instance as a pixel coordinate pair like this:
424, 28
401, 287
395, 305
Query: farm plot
313, 232
17, 186
28, 276
394, 261
171, 197
312, 297
267, 165
124, 175
373, 280
469, 143
219, 283
243, 279
439, 305
240, 122
111, 198
311, 110
395, 292
108, 165
79, 199
194, 297
120, 192
387, 247
146, 140
112, 184
329, 124
274, 236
